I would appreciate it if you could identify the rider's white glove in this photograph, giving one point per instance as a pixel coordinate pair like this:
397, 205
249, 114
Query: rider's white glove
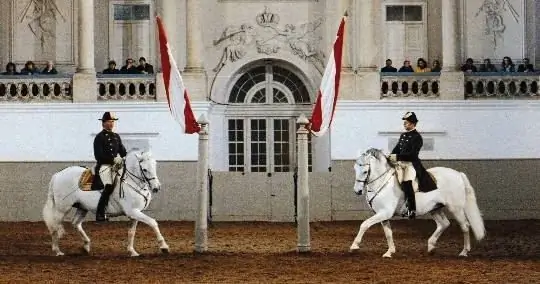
393, 158
118, 160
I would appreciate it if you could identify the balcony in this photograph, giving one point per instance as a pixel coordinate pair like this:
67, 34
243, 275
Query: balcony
410, 85
59, 88
502, 86
496, 85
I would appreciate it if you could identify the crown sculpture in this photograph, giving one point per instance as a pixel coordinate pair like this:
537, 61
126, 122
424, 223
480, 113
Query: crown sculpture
267, 19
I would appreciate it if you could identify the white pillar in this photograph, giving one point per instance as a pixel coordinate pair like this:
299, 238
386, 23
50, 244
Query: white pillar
194, 38
303, 187
449, 35
201, 223
344, 6
86, 37
367, 49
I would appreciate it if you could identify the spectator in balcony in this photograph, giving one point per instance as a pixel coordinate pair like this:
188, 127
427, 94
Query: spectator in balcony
49, 69
111, 69
388, 67
469, 67
421, 66
526, 66
129, 68
144, 67
507, 65
487, 66
406, 67
29, 69
436, 66
11, 69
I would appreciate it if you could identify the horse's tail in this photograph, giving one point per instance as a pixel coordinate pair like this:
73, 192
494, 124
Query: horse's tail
472, 211
52, 217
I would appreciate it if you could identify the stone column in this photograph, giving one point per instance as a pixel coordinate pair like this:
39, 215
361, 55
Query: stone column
367, 80
194, 38
452, 80
201, 223
194, 74
84, 81
449, 35
303, 187
342, 7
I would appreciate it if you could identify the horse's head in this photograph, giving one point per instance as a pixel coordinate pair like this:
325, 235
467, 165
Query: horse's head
370, 164
142, 165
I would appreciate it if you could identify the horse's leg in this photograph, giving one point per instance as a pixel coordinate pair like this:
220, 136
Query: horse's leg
131, 237
138, 215
442, 223
377, 218
78, 219
464, 224
389, 238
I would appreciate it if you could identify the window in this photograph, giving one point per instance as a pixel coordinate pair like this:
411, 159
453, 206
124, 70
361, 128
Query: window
139, 12
401, 13
267, 142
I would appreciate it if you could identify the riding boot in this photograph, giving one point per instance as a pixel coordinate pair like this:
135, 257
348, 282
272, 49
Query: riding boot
409, 195
102, 204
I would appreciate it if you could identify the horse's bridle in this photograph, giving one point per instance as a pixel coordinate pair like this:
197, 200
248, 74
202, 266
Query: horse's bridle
367, 182
145, 180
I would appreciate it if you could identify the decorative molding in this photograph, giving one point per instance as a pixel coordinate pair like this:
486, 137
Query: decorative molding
465, 105
41, 14
146, 106
269, 38
423, 132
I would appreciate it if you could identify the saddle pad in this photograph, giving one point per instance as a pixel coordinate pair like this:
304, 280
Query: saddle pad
85, 181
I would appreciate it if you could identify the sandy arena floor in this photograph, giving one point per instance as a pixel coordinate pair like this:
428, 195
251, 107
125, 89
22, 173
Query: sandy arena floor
265, 253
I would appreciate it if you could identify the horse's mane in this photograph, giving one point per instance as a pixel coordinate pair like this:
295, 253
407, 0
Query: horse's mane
377, 153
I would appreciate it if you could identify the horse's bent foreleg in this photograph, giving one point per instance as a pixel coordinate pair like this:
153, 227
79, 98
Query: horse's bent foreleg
442, 224
77, 221
377, 218
139, 216
389, 238
131, 237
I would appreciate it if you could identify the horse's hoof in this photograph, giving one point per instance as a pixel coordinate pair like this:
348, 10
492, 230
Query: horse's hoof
59, 253
165, 250
463, 254
133, 254
387, 255
431, 249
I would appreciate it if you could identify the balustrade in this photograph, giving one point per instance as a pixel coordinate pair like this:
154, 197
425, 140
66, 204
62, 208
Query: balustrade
502, 85
410, 85
36, 88
126, 87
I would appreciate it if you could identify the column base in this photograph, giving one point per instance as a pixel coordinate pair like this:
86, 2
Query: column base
84, 88
452, 85
367, 86
195, 81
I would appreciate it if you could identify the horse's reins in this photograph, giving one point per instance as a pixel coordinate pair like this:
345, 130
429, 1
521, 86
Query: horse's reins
138, 189
367, 183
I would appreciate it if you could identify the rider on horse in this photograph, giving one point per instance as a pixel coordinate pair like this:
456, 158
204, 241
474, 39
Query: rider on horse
408, 165
108, 151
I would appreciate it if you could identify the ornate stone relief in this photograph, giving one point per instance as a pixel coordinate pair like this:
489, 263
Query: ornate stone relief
41, 16
269, 38
494, 24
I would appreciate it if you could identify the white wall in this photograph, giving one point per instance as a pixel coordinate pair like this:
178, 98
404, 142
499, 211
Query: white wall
65, 132
498, 129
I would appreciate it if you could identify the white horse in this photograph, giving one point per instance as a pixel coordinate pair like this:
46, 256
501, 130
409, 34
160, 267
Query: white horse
454, 192
131, 195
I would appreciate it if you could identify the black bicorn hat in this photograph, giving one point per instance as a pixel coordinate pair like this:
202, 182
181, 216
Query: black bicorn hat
108, 116
410, 117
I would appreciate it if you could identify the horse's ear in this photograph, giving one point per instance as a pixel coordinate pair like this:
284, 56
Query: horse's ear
138, 156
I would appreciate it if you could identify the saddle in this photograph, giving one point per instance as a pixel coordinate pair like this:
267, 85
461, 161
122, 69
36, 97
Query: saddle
87, 180
415, 183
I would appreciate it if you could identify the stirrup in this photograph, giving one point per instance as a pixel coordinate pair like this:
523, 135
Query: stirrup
102, 218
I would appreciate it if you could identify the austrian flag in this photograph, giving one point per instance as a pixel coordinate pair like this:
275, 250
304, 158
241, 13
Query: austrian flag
323, 112
177, 94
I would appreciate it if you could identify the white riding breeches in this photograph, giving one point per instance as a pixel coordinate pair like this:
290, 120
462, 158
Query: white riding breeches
106, 174
405, 171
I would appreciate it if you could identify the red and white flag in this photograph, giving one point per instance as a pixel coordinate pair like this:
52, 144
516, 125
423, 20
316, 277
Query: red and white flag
177, 94
323, 112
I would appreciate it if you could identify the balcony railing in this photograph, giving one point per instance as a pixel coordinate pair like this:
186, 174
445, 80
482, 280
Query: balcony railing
126, 87
502, 85
35, 88
410, 85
